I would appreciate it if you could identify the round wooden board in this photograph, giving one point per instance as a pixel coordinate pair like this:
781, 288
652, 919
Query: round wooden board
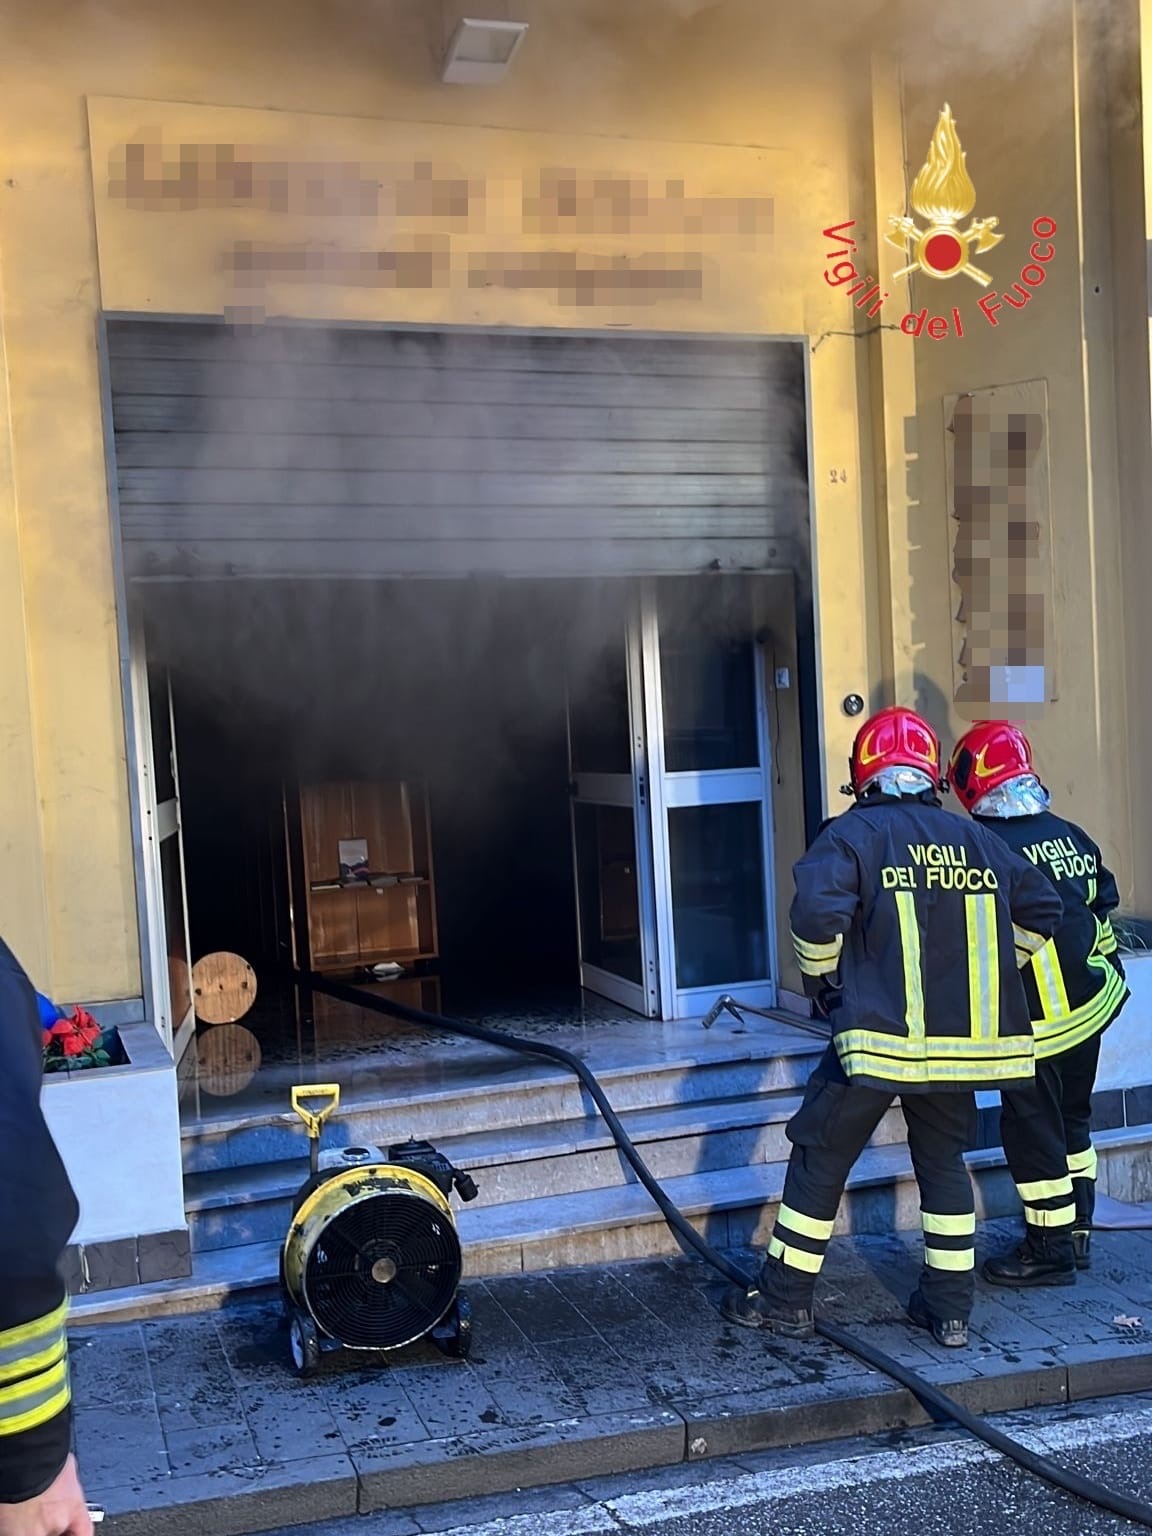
229, 1058
223, 988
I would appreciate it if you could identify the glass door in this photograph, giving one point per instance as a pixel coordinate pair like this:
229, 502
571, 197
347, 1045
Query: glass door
610, 827
168, 958
708, 749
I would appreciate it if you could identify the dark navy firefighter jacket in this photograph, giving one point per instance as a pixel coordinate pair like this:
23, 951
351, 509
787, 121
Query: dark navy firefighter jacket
924, 918
37, 1214
1075, 985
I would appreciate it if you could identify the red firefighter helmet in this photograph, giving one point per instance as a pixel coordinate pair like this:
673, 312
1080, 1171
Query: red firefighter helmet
893, 738
987, 755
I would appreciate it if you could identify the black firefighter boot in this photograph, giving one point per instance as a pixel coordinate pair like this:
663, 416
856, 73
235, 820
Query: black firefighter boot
1043, 1258
1085, 1193
779, 1303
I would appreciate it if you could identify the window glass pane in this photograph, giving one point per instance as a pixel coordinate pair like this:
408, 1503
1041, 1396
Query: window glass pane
598, 712
707, 677
179, 975
161, 737
608, 892
718, 915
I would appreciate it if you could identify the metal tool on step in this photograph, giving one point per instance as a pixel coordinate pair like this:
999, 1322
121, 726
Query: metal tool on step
728, 1004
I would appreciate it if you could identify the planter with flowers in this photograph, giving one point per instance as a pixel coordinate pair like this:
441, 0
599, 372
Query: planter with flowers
75, 1042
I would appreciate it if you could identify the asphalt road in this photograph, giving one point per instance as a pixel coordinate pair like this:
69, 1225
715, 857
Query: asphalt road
932, 1483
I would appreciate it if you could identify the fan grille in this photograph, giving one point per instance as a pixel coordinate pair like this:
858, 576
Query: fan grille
383, 1271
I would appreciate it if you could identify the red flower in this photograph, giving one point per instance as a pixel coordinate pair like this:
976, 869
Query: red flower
77, 1034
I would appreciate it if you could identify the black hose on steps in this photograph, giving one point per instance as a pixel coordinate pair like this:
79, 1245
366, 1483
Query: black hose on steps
937, 1403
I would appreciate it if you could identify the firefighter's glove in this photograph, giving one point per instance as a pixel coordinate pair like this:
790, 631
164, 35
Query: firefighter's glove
826, 993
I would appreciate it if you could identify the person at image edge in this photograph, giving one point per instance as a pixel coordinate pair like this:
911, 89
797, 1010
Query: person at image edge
1075, 988
909, 925
40, 1491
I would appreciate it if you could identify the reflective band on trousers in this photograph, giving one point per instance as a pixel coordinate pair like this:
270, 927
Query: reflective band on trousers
32, 1346
27, 1404
795, 1258
1037, 1216
807, 1226
950, 1258
1083, 1165
949, 1226
1045, 1189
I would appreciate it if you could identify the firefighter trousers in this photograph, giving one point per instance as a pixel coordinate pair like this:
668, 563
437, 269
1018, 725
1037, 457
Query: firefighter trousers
828, 1133
1046, 1131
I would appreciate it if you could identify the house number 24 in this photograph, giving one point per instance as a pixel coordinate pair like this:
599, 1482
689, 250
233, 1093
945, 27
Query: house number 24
838, 476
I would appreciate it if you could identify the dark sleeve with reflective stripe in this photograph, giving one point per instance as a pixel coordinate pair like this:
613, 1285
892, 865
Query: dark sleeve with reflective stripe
1107, 897
1037, 907
37, 1215
827, 895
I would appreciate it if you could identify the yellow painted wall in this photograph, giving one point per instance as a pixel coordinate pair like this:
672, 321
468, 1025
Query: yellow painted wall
720, 86
1033, 114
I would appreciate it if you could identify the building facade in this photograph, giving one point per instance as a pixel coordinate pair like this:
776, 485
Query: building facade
939, 486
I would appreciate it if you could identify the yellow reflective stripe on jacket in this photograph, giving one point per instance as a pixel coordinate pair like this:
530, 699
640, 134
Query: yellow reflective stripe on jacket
913, 971
33, 1346
27, 1364
806, 1226
27, 1404
1026, 939
980, 1070
1049, 978
1054, 1036
983, 966
39, 1328
817, 959
928, 1047
949, 1226
1106, 943
797, 1258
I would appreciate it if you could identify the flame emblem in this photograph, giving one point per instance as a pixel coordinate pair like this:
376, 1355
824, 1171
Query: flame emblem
943, 194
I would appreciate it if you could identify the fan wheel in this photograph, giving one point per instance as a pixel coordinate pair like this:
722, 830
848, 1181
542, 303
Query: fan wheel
383, 1271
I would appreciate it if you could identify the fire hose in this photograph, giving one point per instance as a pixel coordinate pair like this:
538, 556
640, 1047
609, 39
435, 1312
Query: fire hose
936, 1402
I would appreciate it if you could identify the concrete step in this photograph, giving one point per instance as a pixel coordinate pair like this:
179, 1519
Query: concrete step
733, 1207
236, 1206
378, 1111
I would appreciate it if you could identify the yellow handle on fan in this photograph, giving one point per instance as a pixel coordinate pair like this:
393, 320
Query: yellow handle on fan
314, 1118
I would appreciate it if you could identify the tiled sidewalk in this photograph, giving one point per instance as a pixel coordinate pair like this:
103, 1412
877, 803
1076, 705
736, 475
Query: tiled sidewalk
200, 1421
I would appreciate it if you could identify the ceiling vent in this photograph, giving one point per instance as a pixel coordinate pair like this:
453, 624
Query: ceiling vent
481, 51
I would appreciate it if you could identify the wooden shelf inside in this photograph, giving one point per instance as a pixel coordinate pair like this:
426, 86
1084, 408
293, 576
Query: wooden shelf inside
347, 921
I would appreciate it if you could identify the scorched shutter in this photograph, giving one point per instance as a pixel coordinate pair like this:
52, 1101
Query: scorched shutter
295, 451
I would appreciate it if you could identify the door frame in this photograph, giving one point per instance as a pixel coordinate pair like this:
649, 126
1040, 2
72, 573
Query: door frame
670, 790
160, 821
624, 790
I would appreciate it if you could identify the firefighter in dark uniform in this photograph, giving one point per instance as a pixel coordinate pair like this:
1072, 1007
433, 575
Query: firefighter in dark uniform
40, 1492
1075, 987
909, 925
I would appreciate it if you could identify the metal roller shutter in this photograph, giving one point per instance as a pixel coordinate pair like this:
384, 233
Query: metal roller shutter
295, 451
